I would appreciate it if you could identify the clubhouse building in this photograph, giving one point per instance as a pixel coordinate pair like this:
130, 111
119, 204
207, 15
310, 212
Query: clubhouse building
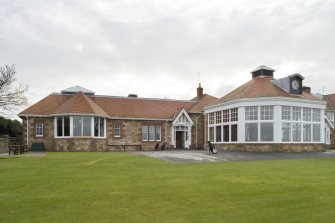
264, 114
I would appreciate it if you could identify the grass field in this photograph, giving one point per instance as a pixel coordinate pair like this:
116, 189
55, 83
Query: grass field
122, 187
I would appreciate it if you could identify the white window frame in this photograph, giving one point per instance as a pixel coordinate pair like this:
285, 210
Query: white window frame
39, 129
117, 131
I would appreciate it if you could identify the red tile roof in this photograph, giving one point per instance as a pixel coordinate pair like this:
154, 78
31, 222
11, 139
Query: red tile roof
330, 99
260, 87
115, 107
80, 104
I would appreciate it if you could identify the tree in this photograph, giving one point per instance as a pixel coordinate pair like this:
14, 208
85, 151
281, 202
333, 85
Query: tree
10, 96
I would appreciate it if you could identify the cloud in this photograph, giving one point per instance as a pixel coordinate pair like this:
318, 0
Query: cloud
155, 48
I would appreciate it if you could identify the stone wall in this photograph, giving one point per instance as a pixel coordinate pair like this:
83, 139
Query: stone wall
131, 134
272, 147
4, 144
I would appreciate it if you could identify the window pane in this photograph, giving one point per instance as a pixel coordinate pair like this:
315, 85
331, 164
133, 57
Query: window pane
251, 132
151, 133
307, 132
66, 126
226, 133
77, 125
102, 127
266, 132
87, 126
316, 133
286, 113
144, 133
225, 116
211, 134
251, 113
317, 115
307, 114
218, 118
234, 114
296, 132
286, 132
96, 127
211, 118
296, 113
266, 112
158, 133
218, 134
59, 126
234, 133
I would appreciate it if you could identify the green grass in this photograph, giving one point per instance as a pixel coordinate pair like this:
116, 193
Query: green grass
122, 187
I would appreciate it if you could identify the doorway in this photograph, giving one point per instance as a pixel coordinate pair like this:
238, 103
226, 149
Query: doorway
180, 139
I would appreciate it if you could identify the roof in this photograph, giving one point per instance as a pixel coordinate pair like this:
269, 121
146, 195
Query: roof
330, 99
114, 107
258, 87
80, 104
202, 102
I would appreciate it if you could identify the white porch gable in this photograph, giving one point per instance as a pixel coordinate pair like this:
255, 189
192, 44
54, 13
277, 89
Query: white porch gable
181, 130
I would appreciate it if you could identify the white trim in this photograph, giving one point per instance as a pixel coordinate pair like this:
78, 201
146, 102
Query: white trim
265, 101
183, 111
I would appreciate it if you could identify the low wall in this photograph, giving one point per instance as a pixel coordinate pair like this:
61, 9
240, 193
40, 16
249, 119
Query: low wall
4, 144
272, 147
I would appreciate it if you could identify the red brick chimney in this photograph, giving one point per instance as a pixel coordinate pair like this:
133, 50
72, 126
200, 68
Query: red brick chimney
200, 91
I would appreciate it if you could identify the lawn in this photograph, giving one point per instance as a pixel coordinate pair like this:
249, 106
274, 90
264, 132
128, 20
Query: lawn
123, 187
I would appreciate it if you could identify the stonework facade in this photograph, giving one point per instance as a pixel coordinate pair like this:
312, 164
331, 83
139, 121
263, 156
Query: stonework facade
271, 147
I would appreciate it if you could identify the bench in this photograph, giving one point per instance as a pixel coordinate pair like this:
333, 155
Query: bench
17, 149
124, 146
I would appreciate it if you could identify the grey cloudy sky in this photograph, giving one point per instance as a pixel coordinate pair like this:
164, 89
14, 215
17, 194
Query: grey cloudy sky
155, 48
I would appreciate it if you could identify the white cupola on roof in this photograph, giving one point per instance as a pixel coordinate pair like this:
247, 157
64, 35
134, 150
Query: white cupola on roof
76, 89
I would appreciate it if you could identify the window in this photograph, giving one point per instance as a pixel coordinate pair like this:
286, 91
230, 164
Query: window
218, 117
267, 112
316, 132
286, 132
286, 113
218, 134
158, 133
211, 118
296, 113
63, 126
182, 119
99, 127
211, 134
82, 126
39, 129
307, 132
296, 132
234, 133
117, 131
307, 114
317, 115
144, 133
234, 115
251, 132
251, 113
266, 132
226, 133
151, 133
225, 116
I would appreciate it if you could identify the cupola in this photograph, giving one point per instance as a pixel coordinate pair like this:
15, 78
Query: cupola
262, 71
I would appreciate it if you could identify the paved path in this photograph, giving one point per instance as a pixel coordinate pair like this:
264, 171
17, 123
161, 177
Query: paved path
181, 156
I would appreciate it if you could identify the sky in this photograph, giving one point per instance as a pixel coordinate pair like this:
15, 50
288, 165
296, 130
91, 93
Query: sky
157, 48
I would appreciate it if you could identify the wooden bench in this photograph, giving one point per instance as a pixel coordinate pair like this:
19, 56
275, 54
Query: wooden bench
17, 149
124, 146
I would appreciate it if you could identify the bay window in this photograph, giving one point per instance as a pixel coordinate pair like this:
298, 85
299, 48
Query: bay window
79, 126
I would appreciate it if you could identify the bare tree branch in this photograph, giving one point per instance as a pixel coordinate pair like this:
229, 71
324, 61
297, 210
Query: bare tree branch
10, 96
